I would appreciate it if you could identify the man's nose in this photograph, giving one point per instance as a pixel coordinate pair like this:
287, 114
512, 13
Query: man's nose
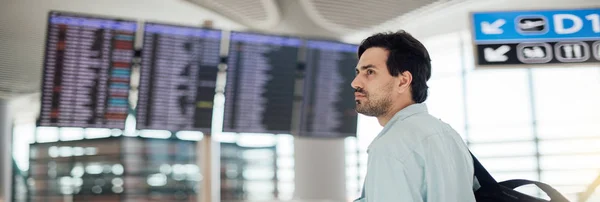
356, 83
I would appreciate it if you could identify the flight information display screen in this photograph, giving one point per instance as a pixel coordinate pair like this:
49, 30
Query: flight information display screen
87, 69
261, 72
328, 108
178, 77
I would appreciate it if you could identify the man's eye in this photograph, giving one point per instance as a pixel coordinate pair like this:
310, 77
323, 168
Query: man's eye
370, 72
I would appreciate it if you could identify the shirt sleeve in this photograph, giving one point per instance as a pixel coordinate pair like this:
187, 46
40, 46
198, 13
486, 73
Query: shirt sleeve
388, 180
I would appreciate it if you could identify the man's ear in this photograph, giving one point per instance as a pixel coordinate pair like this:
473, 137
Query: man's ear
405, 79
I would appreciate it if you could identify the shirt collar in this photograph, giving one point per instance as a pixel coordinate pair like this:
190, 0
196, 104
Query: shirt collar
407, 111
399, 116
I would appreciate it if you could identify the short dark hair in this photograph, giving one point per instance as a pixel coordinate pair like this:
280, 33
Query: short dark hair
405, 54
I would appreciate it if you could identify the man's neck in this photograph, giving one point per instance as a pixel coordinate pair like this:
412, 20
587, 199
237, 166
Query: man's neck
384, 119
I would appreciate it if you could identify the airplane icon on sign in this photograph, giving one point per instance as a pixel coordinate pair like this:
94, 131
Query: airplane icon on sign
528, 24
531, 24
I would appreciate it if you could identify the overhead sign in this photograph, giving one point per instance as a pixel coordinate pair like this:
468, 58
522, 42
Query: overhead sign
536, 37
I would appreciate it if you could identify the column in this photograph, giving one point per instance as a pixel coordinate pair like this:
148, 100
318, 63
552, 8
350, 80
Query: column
320, 169
5, 150
209, 160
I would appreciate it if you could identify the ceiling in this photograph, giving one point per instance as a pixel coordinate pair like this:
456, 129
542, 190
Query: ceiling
261, 14
336, 17
353, 20
354, 15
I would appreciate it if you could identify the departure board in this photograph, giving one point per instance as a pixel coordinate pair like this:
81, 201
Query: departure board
87, 68
259, 94
328, 102
178, 77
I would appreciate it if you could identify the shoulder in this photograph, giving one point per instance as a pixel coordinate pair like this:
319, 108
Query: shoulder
419, 134
423, 125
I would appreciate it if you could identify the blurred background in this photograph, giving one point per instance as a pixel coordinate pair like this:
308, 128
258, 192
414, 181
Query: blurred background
250, 100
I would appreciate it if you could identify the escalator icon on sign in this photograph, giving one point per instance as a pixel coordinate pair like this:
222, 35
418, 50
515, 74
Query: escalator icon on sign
531, 53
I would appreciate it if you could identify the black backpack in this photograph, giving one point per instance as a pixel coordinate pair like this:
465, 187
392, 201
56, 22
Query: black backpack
492, 191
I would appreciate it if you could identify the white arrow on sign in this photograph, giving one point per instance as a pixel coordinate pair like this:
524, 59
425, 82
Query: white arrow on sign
493, 28
496, 55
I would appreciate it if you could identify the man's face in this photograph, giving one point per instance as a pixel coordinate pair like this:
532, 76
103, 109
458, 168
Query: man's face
373, 84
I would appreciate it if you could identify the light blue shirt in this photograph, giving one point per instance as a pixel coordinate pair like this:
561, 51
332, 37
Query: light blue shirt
418, 158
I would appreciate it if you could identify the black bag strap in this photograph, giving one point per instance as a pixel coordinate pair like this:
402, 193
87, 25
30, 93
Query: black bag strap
487, 181
554, 195
483, 176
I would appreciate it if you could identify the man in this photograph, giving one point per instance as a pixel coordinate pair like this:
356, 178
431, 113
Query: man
416, 157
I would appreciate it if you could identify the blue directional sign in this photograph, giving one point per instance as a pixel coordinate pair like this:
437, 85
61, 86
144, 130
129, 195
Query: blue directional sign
537, 36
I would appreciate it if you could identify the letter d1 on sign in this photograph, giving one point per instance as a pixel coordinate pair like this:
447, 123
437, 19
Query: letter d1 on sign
559, 23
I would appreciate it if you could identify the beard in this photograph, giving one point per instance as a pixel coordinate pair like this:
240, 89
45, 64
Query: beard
375, 106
